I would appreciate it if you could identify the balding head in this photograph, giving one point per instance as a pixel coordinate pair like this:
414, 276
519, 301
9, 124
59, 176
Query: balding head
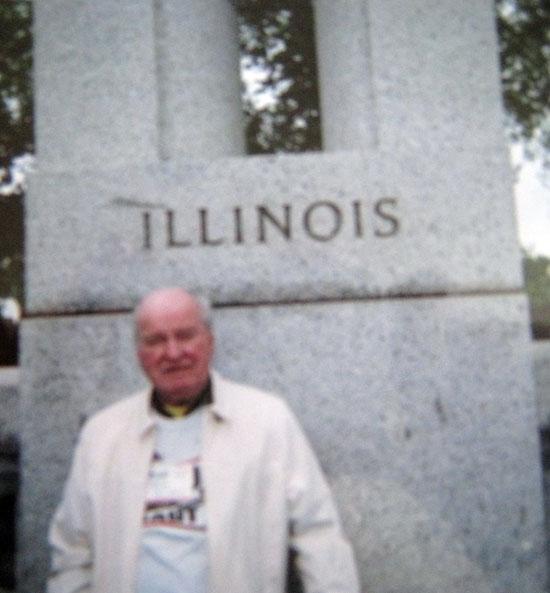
164, 298
174, 343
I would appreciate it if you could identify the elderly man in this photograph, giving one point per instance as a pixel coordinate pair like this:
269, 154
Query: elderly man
196, 485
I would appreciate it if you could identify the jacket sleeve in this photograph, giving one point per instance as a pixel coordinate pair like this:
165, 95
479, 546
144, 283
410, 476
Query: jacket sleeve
70, 534
324, 557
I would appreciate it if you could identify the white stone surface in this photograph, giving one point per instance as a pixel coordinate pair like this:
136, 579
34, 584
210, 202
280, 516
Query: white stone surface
198, 79
430, 398
85, 232
114, 96
436, 76
94, 84
422, 412
346, 75
418, 73
135, 81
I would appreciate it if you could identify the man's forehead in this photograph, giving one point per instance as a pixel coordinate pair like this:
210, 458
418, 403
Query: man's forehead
168, 308
167, 300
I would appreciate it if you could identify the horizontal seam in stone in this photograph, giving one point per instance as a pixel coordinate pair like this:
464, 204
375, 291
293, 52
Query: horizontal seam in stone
290, 302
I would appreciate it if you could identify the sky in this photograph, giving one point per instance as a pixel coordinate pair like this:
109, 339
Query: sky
532, 196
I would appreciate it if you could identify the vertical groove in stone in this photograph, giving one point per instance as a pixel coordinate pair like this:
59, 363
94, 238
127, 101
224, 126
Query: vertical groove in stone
345, 75
163, 123
373, 118
199, 110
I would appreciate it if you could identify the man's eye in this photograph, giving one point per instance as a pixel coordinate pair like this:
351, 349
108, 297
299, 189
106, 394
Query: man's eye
153, 340
184, 336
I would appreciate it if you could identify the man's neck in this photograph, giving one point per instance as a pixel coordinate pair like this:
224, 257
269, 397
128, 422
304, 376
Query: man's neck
204, 397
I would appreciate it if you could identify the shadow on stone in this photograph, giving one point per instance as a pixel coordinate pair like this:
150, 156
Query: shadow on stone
9, 480
9, 354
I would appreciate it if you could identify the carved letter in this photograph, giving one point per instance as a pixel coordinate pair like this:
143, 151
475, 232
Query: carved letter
284, 227
391, 219
337, 221
357, 219
238, 225
203, 213
172, 242
146, 230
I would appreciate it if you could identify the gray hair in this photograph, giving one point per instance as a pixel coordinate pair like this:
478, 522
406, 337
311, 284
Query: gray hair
205, 308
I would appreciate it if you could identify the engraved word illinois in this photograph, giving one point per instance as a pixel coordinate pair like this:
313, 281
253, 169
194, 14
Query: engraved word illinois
320, 221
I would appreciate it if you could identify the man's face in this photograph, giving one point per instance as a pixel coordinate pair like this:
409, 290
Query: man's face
175, 346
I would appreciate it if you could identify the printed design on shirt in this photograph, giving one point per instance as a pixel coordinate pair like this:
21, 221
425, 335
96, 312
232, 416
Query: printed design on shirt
175, 495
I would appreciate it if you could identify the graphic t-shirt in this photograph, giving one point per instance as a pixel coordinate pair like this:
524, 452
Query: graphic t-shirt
174, 539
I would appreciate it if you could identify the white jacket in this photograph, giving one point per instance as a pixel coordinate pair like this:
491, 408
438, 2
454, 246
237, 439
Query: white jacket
264, 493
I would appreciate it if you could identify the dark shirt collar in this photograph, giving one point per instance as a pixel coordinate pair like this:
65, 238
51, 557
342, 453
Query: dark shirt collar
204, 398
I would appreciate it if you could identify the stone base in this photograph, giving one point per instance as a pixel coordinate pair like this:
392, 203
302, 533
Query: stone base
422, 412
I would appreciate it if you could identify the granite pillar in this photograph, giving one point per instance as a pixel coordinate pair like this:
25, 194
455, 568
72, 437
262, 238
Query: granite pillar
376, 286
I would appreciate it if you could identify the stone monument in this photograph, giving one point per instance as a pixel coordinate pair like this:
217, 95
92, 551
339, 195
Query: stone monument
376, 285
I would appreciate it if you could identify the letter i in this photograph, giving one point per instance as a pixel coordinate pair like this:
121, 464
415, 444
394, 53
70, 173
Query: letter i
357, 217
146, 230
238, 225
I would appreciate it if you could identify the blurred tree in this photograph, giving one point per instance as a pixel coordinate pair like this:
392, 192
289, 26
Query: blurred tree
524, 37
536, 271
280, 96
16, 108
11, 247
16, 137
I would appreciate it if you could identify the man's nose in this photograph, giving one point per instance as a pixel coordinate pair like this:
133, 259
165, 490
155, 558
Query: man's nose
174, 348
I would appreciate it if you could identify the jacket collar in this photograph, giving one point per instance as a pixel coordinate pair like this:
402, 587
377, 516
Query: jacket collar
221, 408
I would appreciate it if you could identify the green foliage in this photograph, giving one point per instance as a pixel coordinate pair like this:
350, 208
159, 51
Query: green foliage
524, 37
16, 107
277, 39
536, 271
16, 136
11, 247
